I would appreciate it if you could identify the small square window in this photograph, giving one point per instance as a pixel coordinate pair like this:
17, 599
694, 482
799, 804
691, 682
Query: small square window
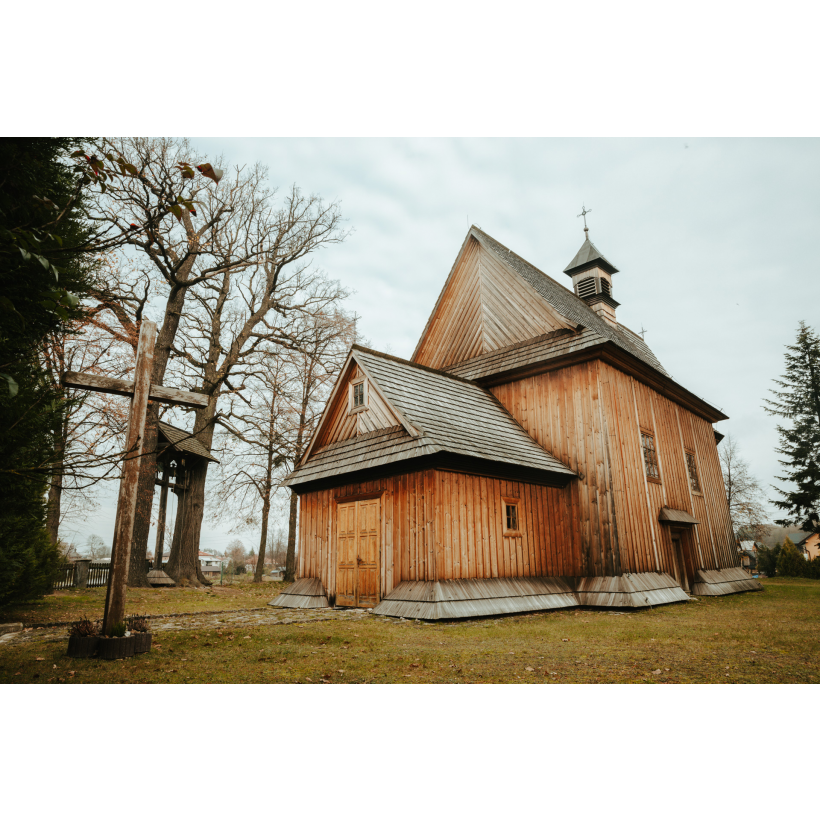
650, 457
692, 467
358, 395
511, 516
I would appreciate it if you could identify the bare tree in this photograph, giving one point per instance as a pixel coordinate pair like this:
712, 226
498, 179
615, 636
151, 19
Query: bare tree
743, 491
88, 439
163, 249
316, 366
234, 315
270, 423
96, 548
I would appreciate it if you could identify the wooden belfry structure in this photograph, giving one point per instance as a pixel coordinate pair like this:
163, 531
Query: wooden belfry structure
532, 454
140, 391
177, 451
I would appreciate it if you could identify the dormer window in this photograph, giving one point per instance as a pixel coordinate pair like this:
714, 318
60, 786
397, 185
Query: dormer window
358, 395
586, 287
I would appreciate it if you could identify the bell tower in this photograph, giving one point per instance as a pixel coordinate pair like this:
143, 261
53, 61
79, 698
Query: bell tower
591, 275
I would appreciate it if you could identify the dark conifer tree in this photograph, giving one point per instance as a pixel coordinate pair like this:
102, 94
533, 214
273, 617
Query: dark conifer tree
798, 401
39, 282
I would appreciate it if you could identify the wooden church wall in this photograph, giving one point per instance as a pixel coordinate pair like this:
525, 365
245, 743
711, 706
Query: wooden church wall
589, 416
562, 410
406, 537
438, 524
469, 529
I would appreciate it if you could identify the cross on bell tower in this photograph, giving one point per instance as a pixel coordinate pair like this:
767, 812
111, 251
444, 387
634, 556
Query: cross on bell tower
591, 273
584, 213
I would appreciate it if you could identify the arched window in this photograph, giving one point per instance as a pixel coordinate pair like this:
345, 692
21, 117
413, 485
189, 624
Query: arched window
606, 287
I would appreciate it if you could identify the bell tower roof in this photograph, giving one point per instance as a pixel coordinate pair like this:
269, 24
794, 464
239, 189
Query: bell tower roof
589, 257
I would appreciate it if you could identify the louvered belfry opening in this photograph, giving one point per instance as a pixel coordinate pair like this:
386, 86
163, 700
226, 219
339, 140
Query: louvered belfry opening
586, 287
591, 275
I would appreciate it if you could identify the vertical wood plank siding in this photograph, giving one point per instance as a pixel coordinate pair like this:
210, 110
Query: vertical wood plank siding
439, 524
590, 416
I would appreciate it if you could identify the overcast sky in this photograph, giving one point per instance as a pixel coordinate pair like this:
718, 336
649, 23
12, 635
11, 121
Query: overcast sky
713, 239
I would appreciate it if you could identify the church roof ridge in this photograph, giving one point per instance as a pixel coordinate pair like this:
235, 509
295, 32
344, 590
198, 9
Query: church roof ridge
567, 303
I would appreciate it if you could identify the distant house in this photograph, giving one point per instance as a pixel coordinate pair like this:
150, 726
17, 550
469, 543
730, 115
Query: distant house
211, 564
748, 554
810, 546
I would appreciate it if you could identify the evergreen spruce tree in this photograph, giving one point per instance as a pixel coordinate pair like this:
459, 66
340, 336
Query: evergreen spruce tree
798, 401
32, 170
790, 563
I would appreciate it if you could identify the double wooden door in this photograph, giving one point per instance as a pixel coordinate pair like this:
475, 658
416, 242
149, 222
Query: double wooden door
358, 525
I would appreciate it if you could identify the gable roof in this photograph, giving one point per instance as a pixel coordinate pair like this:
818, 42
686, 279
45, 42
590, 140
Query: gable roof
568, 304
589, 256
448, 415
184, 441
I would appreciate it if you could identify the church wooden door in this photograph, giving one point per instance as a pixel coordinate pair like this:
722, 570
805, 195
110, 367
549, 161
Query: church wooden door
358, 524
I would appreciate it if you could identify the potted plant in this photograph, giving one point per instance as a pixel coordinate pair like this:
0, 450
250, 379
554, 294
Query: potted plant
83, 636
138, 626
119, 643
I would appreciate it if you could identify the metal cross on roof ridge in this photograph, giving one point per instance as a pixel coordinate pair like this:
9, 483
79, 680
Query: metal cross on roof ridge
584, 213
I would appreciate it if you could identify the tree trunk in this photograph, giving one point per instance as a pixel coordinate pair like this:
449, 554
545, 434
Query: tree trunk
55, 490
55, 493
290, 565
137, 572
260, 561
183, 562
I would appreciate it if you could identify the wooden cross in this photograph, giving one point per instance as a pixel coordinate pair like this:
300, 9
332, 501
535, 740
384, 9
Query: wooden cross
141, 392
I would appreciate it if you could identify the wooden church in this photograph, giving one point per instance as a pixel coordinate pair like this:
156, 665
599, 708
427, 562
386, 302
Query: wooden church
533, 454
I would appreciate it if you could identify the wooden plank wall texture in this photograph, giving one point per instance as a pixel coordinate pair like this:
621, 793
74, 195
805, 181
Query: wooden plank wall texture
484, 306
589, 416
438, 524
407, 515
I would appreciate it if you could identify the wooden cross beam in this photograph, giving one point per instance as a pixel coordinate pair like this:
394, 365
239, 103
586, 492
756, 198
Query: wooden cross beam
141, 392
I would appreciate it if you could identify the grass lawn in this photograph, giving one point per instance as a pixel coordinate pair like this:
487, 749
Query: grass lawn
68, 605
764, 637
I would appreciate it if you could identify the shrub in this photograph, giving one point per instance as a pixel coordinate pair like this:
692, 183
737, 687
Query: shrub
791, 563
84, 628
767, 559
138, 623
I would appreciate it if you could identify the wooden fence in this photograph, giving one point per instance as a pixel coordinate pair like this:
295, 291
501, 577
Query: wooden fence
98, 574
66, 577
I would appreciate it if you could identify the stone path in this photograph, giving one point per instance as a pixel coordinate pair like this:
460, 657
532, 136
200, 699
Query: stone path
274, 616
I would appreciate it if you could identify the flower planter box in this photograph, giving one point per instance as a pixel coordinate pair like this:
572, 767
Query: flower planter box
142, 642
80, 647
112, 649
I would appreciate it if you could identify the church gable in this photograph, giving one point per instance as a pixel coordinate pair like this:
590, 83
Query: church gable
484, 306
345, 421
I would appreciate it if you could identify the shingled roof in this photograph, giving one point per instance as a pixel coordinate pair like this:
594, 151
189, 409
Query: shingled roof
184, 441
588, 256
446, 414
568, 304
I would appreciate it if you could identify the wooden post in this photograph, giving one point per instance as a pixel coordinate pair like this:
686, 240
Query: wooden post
127, 501
163, 502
